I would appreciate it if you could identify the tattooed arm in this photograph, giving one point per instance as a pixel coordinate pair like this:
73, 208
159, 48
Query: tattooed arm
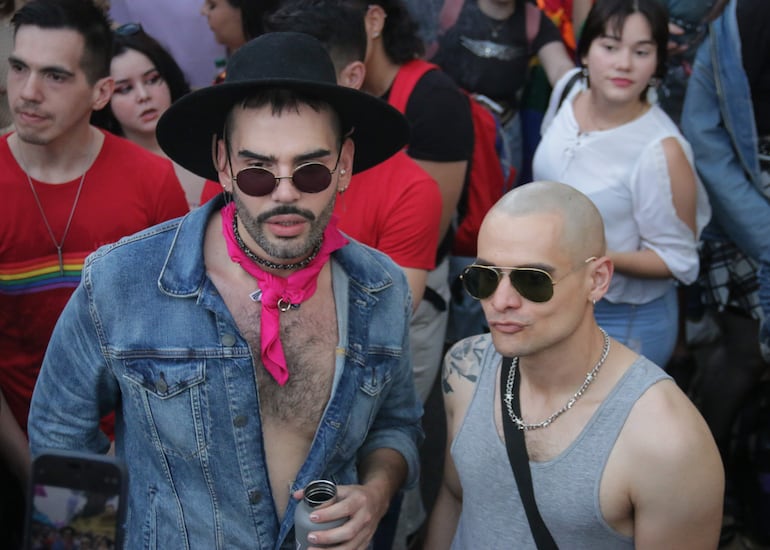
462, 365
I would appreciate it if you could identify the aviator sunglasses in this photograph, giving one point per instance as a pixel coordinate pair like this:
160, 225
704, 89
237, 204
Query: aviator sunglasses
533, 284
311, 177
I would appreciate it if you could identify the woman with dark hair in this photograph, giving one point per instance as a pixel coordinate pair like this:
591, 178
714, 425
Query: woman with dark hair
235, 22
611, 141
147, 82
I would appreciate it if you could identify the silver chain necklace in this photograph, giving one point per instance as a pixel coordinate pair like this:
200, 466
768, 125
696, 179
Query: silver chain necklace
590, 376
57, 244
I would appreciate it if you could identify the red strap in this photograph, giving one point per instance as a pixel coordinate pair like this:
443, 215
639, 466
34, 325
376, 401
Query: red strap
406, 79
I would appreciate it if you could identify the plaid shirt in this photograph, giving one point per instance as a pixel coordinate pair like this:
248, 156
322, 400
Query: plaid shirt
728, 278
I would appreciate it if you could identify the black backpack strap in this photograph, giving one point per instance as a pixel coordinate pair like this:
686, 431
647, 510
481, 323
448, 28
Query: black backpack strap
517, 455
567, 87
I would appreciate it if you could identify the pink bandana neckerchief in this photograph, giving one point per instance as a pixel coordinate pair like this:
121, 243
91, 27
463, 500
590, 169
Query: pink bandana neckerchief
294, 289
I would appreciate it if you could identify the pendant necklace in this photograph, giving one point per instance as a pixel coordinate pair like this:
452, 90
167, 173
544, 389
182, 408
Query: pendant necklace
496, 27
58, 244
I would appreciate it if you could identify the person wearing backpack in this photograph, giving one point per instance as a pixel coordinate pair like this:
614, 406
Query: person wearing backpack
441, 143
487, 46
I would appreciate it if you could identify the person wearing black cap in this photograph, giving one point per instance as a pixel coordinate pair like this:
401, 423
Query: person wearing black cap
249, 347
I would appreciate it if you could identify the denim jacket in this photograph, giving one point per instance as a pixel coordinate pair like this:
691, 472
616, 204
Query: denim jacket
147, 334
718, 121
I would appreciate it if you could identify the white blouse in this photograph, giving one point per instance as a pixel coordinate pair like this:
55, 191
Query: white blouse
623, 170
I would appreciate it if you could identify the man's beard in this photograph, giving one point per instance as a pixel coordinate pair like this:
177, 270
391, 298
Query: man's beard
293, 248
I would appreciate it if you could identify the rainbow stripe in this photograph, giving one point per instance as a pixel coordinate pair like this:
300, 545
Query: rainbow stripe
41, 274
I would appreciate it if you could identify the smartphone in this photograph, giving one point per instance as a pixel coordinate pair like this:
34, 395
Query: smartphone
75, 500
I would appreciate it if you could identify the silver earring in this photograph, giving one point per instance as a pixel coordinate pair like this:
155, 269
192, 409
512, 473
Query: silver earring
652, 91
343, 172
593, 302
584, 72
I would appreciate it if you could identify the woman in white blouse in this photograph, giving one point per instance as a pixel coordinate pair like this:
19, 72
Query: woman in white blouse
609, 141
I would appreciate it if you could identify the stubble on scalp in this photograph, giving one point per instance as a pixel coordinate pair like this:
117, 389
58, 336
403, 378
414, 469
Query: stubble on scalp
582, 233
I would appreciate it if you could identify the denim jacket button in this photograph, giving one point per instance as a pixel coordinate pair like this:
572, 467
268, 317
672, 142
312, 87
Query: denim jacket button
228, 340
161, 385
255, 497
240, 421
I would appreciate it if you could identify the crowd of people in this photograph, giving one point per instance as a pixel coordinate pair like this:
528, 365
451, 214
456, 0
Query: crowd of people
227, 258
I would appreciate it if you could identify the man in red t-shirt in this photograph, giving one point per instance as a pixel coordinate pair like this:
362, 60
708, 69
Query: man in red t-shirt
67, 189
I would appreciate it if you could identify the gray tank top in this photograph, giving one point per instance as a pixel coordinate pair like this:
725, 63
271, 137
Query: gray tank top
566, 487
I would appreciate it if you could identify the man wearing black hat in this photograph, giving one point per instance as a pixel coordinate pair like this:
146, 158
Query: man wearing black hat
249, 347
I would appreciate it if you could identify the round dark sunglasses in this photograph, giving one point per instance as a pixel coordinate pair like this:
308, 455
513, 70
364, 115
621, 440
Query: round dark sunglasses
533, 284
311, 177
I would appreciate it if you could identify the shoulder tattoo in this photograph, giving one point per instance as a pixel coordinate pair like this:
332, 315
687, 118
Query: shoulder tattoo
463, 361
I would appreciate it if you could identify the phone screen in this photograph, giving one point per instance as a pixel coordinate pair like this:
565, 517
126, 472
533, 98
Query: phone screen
75, 501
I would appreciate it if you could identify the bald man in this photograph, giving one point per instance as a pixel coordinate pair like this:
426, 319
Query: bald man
618, 455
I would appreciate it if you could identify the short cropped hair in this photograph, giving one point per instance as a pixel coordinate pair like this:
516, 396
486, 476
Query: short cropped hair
81, 16
400, 35
339, 27
281, 100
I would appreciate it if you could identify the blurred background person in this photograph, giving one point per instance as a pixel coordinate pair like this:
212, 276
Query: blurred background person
147, 81
488, 49
726, 117
177, 25
235, 22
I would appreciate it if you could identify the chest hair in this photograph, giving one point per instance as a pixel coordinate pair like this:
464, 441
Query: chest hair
309, 339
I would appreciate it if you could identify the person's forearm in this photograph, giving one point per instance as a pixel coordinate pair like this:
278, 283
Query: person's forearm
14, 449
383, 471
443, 521
645, 264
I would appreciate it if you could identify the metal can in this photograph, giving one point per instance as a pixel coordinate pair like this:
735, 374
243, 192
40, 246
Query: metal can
317, 493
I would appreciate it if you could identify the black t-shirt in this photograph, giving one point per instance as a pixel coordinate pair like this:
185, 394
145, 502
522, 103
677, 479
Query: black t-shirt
441, 128
439, 120
490, 56
753, 21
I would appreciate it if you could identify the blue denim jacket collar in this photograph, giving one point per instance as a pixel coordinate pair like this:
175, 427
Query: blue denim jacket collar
184, 272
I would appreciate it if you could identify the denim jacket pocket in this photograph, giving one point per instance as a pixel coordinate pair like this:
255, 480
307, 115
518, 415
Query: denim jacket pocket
171, 394
371, 381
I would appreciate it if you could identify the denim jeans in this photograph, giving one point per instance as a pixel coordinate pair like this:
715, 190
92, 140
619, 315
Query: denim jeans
649, 329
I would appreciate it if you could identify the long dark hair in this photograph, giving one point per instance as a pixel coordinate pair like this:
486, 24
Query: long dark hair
132, 37
253, 13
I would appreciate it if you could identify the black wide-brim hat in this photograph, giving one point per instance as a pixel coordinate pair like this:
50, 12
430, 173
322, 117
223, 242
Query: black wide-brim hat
285, 60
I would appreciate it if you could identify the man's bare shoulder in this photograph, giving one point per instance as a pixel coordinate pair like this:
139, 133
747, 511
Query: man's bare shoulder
673, 469
463, 364
665, 425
